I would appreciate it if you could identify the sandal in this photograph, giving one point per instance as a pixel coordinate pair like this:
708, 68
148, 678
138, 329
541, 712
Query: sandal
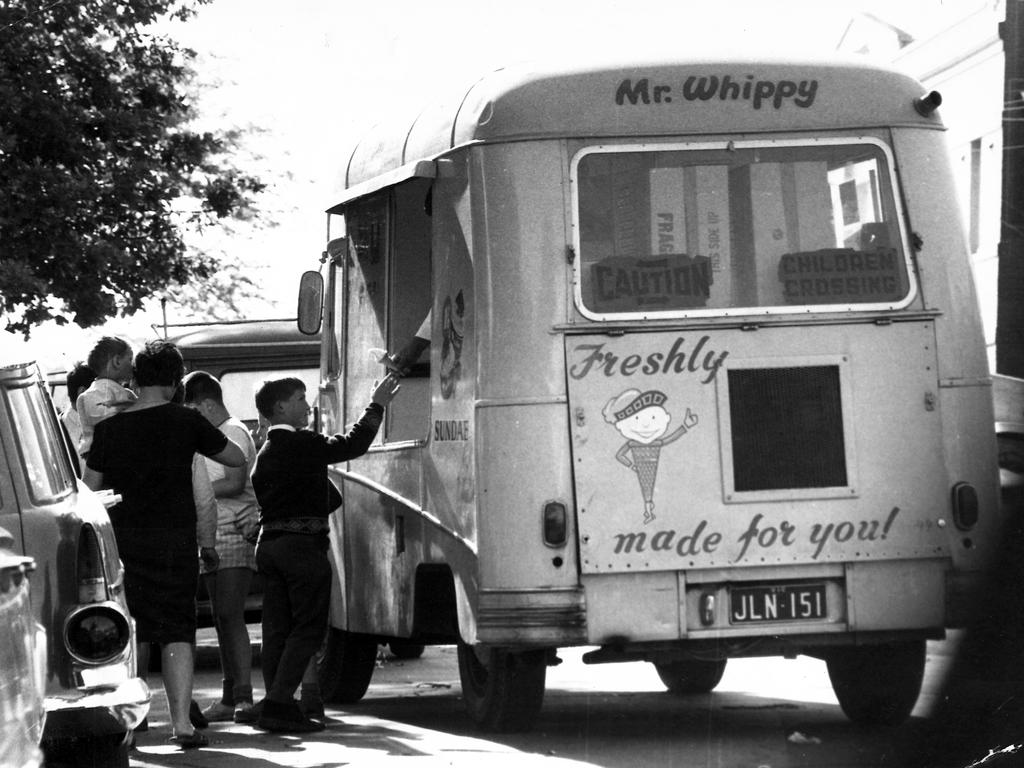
196, 716
192, 740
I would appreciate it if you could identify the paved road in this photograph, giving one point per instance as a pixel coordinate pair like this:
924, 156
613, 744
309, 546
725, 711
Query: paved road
769, 713
352, 738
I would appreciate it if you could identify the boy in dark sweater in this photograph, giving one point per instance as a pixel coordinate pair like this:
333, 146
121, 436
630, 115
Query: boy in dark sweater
296, 499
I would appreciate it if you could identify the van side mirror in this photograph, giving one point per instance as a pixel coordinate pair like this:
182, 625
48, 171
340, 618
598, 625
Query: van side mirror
311, 296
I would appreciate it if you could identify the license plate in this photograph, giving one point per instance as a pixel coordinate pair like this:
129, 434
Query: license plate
789, 602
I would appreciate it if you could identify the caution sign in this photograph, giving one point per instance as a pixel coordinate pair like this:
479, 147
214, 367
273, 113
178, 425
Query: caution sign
677, 281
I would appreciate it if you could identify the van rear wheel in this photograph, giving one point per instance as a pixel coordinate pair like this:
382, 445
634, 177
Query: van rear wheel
502, 691
877, 684
691, 676
403, 649
345, 666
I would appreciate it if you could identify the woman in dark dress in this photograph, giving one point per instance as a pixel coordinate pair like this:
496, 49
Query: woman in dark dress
145, 454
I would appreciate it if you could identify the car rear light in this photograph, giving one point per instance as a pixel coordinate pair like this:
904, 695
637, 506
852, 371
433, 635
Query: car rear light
92, 582
95, 634
965, 506
555, 524
39, 652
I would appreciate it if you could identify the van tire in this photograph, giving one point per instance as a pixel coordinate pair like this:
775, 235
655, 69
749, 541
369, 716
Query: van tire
691, 676
877, 684
502, 691
345, 666
403, 649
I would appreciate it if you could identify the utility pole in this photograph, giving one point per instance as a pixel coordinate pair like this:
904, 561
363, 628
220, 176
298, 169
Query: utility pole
1010, 308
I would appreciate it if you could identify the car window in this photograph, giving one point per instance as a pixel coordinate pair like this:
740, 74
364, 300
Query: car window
45, 464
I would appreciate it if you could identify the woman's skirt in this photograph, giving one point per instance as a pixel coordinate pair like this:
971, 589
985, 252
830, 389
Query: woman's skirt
161, 576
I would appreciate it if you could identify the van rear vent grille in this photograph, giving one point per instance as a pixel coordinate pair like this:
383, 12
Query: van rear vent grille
787, 428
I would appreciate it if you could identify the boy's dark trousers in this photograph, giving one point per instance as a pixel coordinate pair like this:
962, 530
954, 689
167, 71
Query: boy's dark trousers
296, 598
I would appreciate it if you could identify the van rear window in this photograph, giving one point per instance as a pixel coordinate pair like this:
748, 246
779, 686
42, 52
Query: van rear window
752, 226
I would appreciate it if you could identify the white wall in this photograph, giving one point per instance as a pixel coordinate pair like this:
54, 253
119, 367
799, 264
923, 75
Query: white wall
963, 60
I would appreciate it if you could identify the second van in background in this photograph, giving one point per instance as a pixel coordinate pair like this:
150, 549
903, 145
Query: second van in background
242, 354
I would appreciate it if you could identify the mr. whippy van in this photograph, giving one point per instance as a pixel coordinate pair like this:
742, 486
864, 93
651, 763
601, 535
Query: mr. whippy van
706, 380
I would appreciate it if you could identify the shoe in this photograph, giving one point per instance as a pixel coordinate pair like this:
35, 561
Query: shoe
195, 716
245, 712
312, 709
286, 718
218, 712
192, 740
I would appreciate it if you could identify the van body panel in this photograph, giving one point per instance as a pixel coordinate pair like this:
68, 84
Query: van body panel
374, 557
972, 458
874, 605
543, 617
965, 387
634, 606
678, 494
947, 282
524, 239
515, 484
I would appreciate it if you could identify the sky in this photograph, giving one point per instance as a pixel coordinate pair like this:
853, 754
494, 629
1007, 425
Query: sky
314, 78
306, 79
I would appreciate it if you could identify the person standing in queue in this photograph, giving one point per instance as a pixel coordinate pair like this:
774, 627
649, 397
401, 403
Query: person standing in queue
111, 360
228, 583
296, 498
145, 454
79, 379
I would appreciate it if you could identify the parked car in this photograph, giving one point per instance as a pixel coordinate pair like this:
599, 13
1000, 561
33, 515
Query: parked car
22, 662
94, 697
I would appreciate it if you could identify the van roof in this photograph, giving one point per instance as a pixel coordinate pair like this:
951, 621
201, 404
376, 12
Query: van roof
246, 332
248, 343
701, 97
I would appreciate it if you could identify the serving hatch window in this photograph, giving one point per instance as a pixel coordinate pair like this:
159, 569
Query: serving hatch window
741, 227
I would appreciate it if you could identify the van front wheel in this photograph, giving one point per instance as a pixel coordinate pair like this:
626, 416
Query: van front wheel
502, 691
877, 684
345, 666
685, 677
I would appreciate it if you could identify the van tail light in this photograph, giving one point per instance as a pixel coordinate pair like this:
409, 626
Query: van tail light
92, 582
965, 506
555, 524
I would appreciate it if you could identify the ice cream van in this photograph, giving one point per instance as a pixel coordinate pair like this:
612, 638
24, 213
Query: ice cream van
706, 380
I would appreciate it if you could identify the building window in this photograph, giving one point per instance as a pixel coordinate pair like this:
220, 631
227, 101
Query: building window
975, 196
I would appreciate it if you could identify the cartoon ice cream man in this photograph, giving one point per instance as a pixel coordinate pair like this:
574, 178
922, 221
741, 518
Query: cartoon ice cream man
642, 419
